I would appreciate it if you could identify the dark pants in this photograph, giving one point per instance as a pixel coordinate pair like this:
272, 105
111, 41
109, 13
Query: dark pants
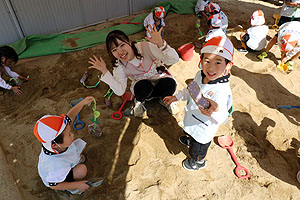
284, 19
144, 89
197, 150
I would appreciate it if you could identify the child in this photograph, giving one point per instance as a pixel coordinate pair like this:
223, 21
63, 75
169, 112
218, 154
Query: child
200, 8
59, 159
141, 63
155, 18
201, 124
9, 58
255, 36
290, 11
215, 27
288, 39
213, 8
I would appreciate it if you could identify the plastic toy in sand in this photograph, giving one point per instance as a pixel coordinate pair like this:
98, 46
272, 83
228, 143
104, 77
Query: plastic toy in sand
198, 27
127, 96
78, 124
94, 128
107, 96
186, 51
227, 142
287, 107
286, 67
84, 78
197, 95
276, 17
16, 81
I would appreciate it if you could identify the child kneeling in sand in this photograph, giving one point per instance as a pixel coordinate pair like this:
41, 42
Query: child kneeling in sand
213, 80
9, 58
215, 27
59, 161
254, 38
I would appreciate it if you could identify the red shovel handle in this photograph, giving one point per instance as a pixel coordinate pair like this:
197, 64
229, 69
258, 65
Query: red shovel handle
114, 115
241, 168
238, 166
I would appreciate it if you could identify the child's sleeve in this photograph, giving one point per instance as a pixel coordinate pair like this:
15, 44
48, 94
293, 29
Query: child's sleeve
4, 85
197, 6
11, 73
117, 82
165, 53
294, 51
222, 114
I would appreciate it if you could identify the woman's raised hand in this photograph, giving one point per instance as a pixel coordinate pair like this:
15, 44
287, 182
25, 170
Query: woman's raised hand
155, 35
98, 63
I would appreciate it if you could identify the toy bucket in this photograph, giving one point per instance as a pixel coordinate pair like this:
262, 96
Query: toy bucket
186, 51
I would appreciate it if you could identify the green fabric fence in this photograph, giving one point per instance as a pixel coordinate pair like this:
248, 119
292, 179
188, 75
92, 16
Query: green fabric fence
40, 45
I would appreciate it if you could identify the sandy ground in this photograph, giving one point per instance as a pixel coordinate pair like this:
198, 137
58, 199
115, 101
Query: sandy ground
141, 158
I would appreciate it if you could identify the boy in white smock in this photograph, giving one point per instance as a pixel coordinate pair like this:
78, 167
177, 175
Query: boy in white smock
213, 79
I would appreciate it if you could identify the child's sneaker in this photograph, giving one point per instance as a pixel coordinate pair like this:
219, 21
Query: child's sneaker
185, 140
139, 109
262, 55
191, 164
172, 107
242, 50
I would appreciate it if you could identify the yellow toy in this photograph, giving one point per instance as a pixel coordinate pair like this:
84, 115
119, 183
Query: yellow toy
276, 17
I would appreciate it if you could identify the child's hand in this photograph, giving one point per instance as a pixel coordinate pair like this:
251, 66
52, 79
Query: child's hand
16, 90
98, 64
88, 100
82, 186
23, 78
169, 99
213, 108
155, 36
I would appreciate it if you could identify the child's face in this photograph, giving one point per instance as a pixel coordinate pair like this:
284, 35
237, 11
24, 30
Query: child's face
7, 62
214, 66
68, 137
123, 51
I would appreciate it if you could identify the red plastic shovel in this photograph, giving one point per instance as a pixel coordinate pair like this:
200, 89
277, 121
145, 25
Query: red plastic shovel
127, 96
227, 142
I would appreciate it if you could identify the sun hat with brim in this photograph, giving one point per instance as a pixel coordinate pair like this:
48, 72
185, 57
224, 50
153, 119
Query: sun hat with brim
257, 18
213, 6
220, 46
48, 128
159, 12
288, 41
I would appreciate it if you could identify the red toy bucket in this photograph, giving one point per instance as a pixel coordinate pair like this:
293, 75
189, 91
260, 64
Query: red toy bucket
186, 51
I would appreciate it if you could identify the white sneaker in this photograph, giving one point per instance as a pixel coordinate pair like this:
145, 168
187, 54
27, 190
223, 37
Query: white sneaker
139, 109
172, 107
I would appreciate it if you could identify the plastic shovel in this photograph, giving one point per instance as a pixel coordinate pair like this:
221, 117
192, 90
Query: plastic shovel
78, 124
126, 22
127, 96
227, 142
288, 107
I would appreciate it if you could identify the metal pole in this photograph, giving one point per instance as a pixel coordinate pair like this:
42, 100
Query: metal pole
14, 18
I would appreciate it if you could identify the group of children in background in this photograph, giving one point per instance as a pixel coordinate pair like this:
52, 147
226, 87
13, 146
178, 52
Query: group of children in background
60, 162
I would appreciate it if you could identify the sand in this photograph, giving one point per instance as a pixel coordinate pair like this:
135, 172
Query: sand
141, 158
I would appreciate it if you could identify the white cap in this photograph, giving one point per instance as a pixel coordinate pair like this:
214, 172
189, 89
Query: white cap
48, 128
220, 46
257, 18
213, 6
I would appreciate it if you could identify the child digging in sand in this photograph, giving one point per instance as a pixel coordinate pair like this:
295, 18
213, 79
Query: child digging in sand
213, 80
9, 58
60, 159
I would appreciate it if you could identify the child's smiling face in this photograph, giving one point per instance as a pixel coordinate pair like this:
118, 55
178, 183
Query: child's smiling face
123, 51
214, 66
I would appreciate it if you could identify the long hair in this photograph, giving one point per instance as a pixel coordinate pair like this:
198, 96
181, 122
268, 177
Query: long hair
111, 40
8, 53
